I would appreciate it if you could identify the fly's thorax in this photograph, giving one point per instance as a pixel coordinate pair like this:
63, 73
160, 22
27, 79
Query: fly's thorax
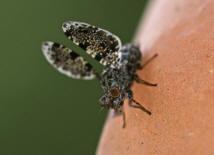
110, 77
129, 54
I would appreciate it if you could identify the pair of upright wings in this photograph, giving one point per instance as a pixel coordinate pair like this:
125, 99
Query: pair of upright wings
100, 44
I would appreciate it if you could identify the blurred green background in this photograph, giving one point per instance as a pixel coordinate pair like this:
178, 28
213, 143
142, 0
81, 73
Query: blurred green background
43, 112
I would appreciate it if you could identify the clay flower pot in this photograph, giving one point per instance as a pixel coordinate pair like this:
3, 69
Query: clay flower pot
182, 106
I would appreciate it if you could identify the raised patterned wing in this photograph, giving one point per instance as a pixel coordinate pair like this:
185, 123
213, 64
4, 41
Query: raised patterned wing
100, 44
67, 61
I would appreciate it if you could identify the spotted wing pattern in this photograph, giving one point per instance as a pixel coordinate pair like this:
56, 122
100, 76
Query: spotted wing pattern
100, 44
67, 61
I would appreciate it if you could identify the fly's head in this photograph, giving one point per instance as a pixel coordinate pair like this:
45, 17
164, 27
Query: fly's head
113, 96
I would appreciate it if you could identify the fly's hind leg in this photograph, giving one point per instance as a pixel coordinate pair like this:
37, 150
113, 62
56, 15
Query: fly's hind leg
138, 105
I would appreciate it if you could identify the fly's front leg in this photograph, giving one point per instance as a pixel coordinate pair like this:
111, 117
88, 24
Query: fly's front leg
148, 61
136, 77
138, 105
138, 80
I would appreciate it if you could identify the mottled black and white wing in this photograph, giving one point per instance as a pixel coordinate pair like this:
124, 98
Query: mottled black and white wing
67, 61
100, 44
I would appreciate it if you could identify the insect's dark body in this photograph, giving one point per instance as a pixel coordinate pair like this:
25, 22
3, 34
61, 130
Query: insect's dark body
121, 77
120, 62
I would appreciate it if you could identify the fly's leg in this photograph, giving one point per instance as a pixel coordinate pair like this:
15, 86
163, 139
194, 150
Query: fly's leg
136, 77
148, 61
124, 118
121, 111
138, 80
138, 105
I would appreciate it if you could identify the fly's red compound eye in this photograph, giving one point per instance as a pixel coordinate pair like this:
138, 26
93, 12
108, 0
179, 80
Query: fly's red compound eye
115, 92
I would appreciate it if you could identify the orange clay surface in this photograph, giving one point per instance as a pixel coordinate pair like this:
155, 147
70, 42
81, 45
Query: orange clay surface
182, 106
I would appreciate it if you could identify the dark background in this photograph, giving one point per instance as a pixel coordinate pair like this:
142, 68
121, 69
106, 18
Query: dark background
43, 112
